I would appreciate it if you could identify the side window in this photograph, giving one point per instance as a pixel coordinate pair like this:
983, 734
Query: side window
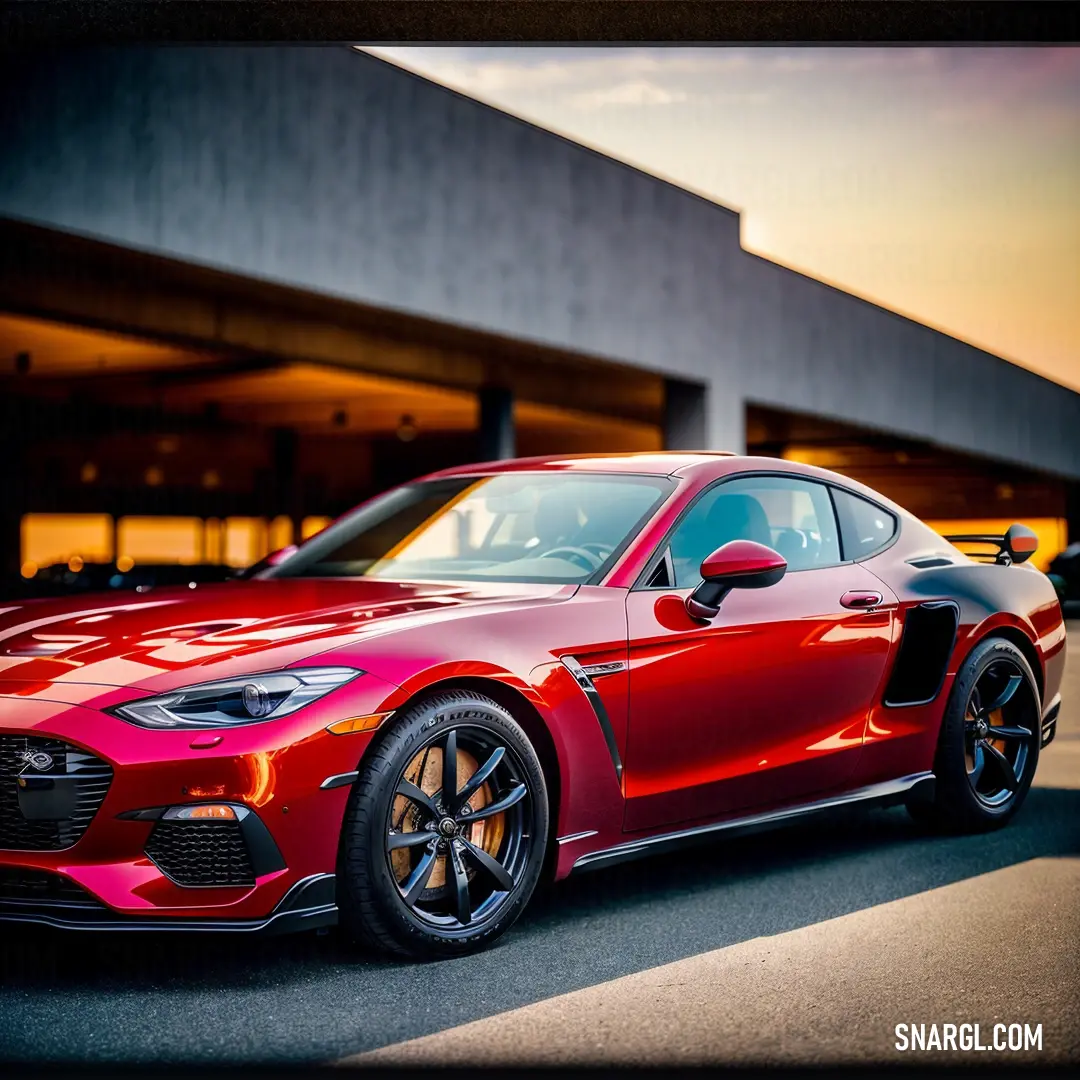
792, 516
864, 526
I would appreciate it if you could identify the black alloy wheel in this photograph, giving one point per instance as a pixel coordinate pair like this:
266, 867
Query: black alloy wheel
997, 752
989, 744
446, 829
477, 840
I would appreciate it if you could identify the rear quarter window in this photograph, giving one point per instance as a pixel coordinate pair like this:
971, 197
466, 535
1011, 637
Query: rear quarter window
865, 527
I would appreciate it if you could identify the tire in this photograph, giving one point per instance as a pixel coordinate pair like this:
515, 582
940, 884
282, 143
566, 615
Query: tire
427, 893
974, 792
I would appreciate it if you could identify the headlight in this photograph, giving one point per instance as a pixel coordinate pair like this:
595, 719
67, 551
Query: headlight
232, 702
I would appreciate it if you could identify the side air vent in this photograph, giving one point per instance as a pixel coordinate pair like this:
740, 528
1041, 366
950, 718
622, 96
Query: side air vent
25, 886
925, 648
927, 562
201, 853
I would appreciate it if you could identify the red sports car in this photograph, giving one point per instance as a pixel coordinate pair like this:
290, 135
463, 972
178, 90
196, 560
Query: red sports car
508, 669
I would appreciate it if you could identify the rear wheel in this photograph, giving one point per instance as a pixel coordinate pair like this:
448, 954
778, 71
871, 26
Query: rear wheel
445, 830
989, 743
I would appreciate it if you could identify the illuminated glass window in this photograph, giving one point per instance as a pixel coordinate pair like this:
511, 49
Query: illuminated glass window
246, 541
57, 538
312, 525
281, 533
213, 541
161, 539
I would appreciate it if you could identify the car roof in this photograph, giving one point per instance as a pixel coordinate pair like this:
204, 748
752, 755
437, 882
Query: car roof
658, 463
677, 463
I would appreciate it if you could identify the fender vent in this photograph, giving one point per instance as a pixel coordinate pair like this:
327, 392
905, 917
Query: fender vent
583, 676
925, 648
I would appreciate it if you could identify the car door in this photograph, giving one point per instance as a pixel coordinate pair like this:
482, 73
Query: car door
767, 703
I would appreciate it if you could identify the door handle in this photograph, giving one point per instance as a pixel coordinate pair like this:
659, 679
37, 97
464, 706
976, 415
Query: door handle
860, 600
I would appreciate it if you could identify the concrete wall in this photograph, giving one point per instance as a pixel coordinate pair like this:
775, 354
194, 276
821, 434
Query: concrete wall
330, 170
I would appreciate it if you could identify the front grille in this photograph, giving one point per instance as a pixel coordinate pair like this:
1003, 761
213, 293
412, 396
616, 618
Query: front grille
201, 852
39, 886
87, 776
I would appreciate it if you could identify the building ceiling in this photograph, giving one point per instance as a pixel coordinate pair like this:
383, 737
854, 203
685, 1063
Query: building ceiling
59, 349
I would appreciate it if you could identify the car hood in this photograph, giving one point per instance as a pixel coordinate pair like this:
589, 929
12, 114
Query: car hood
173, 637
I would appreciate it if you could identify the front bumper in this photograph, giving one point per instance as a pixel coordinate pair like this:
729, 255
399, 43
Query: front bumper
113, 872
310, 903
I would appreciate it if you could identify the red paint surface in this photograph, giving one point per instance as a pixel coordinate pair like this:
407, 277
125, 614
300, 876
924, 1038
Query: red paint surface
740, 557
766, 701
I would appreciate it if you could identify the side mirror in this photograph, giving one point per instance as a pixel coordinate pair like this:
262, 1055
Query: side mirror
739, 564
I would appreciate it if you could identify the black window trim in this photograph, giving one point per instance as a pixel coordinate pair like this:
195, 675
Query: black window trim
659, 553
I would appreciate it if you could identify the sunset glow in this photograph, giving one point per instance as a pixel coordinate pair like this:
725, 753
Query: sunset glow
939, 182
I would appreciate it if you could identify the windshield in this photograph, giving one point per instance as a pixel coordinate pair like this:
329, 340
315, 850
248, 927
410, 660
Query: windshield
526, 527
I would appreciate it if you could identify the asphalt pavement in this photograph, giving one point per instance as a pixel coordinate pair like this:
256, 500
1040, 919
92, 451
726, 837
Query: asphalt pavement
808, 944
830, 993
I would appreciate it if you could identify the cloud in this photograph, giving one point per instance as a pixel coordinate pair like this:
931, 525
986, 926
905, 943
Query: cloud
804, 62
588, 79
951, 86
741, 97
1031, 88
494, 69
896, 59
483, 70
491, 77
640, 92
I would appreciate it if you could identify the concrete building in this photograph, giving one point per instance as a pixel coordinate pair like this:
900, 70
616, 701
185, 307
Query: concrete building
246, 286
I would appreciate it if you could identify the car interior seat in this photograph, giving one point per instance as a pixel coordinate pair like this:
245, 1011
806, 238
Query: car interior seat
737, 516
794, 545
732, 516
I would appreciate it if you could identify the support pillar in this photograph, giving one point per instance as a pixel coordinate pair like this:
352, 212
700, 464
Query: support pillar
287, 499
13, 447
699, 417
497, 439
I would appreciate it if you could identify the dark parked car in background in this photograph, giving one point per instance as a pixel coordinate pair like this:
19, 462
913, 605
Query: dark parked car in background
1064, 572
61, 580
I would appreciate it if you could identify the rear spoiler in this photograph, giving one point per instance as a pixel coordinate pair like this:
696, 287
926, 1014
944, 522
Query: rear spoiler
1017, 545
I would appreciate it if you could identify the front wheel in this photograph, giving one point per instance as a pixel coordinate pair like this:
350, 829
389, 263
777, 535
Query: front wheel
445, 831
989, 742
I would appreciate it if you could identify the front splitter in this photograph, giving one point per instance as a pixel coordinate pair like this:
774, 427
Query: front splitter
308, 905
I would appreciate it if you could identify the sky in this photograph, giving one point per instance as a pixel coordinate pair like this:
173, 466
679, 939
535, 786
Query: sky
943, 183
